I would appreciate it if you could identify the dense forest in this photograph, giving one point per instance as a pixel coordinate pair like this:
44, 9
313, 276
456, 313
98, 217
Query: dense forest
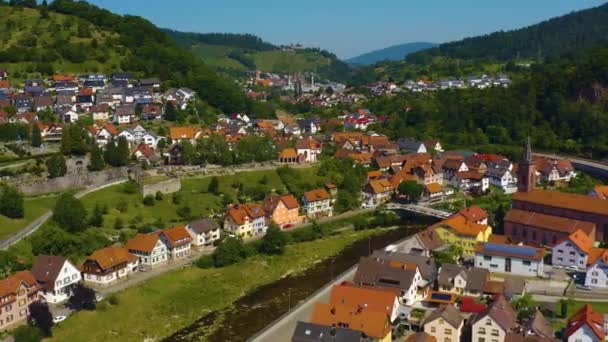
245, 41
574, 31
562, 104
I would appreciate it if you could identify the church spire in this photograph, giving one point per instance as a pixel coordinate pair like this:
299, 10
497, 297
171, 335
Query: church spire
526, 175
528, 156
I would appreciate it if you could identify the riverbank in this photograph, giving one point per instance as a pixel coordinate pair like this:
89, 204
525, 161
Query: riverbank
175, 300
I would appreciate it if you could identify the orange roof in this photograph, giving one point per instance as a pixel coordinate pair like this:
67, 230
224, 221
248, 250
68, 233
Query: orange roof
434, 188
308, 144
177, 235
142, 242
288, 153
501, 239
596, 254
110, 128
289, 201
4, 84
474, 213
316, 195
184, 132
63, 78
10, 285
570, 201
581, 240
373, 324
374, 174
550, 222
381, 186
402, 176
237, 214
111, 256
462, 226
601, 191
368, 298
589, 317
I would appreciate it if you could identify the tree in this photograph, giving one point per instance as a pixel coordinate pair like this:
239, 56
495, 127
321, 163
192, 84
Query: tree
96, 219
56, 167
450, 256
27, 333
118, 224
230, 251
273, 242
214, 185
74, 140
83, 298
41, 317
110, 155
411, 189
36, 138
184, 212
159, 196
525, 306
97, 163
69, 213
170, 112
148, 201
122, 152
11, 202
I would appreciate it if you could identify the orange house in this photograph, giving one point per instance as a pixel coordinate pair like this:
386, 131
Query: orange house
284, 210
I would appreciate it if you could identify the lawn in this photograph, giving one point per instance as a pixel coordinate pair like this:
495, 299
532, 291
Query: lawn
174, 300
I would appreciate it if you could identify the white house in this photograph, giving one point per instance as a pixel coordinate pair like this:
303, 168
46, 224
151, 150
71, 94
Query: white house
597, 269
573, 250
56, 276
203, 232
502, 178
149, 248
309, 149
586, 325
510, 259
317, 203
494, 323
150, 139
178, 241
108, 265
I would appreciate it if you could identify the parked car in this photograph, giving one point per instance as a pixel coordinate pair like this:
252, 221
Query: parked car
98, 297
58, 319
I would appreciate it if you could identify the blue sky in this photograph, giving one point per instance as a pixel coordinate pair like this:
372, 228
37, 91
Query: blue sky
347, 27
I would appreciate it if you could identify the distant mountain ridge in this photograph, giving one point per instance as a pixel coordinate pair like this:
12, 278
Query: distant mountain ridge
568, 33
391, 53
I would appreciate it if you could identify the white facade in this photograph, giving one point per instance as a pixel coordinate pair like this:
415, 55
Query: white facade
567, 254
204, 239
156, 256
111, 277
583, 334
65, 281
597, 274
487, 329
318, 208
510, 265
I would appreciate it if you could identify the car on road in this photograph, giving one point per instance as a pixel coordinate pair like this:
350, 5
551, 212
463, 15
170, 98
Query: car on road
58, 319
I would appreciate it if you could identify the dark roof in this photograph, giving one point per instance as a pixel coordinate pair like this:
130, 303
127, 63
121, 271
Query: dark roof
475, 278
46, 268
427, 266
449, 313
378, 273
514, 286
501, 312
540, 326
311, 332
203, 225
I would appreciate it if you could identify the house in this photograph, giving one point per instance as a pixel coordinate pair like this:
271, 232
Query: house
309, 149
122, 76
104, 134
378, 191
375, 325
309, 126
179, 133
426, 265
373, 299
100, 112
56, 275
411, 145
495, 322
462, 281
572, 251
473, 181
433, 192
17, 292
585, 325
108, 264
510, 259
124, 114
433, 145
597, 268
539, 326
404, 277
43, 102
283, 210
428, 174
599, 191
445, 324
145, 153
150, 82
459, 231
68, 115
475, 214
204, 232
420, 337
502, 178
289, 156
149, 248
421, 244
151, 112
23, 103
245, 220
317, 203
534, 228
178, 241
311, 332
553, 170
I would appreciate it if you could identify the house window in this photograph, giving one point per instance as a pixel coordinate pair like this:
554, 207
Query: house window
447, 339
487, 257
494, 332
481, 331
433, 329
560, 259
488, 321
526, 262
560, 251
481, 339
593, 281
447, 331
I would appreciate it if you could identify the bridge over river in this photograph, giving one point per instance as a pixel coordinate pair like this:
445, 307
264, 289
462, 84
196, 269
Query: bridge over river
419, 209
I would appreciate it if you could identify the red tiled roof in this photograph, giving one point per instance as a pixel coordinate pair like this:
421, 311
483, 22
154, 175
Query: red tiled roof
473, 213
589, 317
557, 199
316, 195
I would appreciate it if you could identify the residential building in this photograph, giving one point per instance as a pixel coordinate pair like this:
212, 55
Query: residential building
597, 268
445, 324
283, 210
502, 178
124, 114
178, 241
426, 265
572, 251
495, 322
553, 170
56, 276
420, 244
420, 337
535, 228
374, 299
475, 214
309, 149
462, 281
459, 231
108, 265
586, 325
149, 248
317, 203
204, 232
289, 156
378, 191
411, 145
100, 112
510, 259
311, 332
17, 292
428, 174
473, 181
539, 326
374, 325
245, 220
185, 133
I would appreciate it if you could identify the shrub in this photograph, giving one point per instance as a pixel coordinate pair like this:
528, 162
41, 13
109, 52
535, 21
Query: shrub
149, 201
113, 300
159, 196
176, 198
206, 261
130, 187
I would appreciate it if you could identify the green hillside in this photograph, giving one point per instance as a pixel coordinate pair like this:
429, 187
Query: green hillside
71, 36
236, 53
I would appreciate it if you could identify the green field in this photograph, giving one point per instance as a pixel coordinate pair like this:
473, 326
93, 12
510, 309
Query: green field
216, 56
174, 300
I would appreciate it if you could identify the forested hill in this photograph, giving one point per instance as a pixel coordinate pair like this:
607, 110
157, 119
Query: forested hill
77, 37
571, 32
237, 53
391, 53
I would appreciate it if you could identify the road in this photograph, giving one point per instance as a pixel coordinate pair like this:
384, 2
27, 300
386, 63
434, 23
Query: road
420, 210
587, 162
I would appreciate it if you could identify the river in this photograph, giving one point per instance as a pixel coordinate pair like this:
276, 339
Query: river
254, 311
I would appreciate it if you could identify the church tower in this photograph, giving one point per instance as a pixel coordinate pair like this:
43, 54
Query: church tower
526, 174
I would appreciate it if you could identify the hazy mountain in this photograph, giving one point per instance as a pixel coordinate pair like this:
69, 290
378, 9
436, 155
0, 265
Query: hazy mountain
391, 53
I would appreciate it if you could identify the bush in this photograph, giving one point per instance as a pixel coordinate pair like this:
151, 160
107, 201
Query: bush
184, 212
130, 187
122, 206
206, 261
176, 198
149, 201
159, 196
27, 333
113, 300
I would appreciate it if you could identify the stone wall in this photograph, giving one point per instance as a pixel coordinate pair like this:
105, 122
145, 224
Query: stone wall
88, 179
166, 187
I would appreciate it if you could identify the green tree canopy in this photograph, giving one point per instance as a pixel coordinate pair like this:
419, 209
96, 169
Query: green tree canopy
69, 213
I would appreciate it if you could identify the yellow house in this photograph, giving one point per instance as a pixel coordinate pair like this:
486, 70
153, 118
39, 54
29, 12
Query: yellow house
459, 231
237, 221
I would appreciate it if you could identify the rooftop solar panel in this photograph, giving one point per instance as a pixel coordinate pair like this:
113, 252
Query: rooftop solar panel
518, 250
441, 296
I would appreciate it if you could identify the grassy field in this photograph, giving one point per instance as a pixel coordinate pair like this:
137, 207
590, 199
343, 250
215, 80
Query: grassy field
174, 300
216, 56
283, 61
